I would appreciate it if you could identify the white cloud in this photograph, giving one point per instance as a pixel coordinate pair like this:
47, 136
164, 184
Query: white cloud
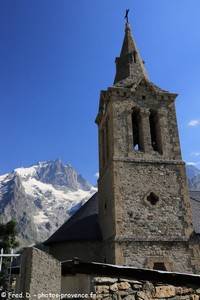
191, 163
195, 153
194, 123
96, 174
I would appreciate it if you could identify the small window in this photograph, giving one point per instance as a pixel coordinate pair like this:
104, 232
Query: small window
159, 266
152, 198
130, 213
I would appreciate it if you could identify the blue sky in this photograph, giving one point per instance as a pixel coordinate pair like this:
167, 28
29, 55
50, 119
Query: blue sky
56, 56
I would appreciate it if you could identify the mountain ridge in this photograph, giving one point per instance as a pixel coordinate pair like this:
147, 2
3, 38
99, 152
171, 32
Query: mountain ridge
193, 176
41, 198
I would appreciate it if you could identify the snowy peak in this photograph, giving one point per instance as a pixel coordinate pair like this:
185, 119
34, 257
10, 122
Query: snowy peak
41, 198
25, 173
55, 173
59, 174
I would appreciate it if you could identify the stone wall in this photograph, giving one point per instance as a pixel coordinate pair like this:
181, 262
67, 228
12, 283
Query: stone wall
127, 289
140, 219
175, 256
76, 284
40, 273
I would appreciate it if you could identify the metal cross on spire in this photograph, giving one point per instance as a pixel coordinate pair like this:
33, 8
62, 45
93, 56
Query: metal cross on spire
126, 15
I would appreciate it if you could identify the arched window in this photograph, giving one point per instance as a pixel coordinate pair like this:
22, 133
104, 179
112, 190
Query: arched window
155, 131
136, 130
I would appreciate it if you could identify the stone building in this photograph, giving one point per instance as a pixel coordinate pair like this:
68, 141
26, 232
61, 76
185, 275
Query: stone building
43, 277
142, 213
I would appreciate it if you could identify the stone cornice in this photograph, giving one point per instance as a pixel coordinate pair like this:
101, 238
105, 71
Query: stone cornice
149, 161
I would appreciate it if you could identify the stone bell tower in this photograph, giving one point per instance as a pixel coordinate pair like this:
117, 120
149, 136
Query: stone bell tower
144, 206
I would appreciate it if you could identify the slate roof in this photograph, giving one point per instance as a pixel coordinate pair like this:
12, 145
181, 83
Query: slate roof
76, 266
84, 225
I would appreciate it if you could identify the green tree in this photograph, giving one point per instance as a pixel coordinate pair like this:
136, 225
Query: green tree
8, 241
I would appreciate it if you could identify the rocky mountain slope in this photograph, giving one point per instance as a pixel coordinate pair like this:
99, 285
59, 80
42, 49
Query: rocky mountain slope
193, 175
41, 198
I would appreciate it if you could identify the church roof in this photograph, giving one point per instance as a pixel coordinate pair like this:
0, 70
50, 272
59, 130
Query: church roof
84, 225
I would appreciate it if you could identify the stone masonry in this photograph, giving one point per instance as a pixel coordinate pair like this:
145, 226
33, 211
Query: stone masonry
118, 288
40, 275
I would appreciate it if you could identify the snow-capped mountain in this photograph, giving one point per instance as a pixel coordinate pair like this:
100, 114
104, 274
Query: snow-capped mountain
193, 175
41, 198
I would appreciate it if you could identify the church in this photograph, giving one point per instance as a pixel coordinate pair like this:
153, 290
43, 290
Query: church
142, 214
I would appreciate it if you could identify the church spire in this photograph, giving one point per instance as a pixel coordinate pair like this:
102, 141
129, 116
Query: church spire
129, 66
